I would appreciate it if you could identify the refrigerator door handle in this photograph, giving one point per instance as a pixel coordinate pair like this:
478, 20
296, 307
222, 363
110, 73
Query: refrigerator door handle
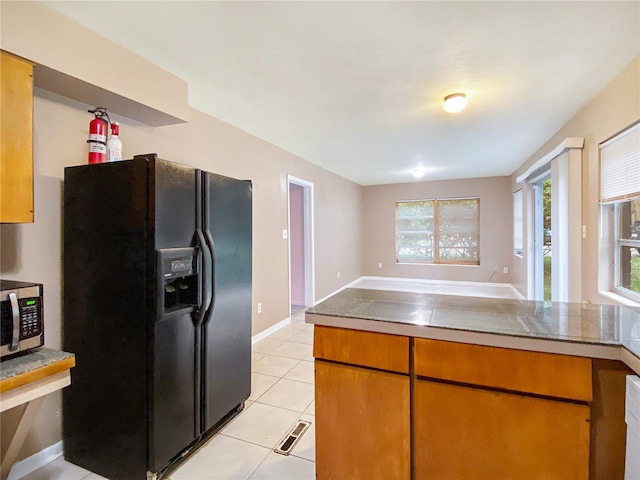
206, 274
211, 247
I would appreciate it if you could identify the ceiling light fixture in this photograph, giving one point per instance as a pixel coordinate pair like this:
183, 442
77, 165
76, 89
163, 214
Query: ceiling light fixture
418, 172
455, 102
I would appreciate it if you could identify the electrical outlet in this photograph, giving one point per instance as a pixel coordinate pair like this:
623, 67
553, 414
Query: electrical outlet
338, 274
380, 265
260, 308
505, 270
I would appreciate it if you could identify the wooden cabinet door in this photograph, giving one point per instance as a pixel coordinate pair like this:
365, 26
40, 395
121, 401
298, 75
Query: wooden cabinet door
362, 423
365, 349
16, 139
471, 433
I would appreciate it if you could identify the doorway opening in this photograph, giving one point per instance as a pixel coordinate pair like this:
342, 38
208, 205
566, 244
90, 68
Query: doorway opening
301, 287
543, 240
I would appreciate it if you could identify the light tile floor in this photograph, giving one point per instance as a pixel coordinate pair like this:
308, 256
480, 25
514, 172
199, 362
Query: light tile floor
282, 385
282, 392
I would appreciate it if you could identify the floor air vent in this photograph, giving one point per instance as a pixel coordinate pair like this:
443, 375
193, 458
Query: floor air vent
289, 441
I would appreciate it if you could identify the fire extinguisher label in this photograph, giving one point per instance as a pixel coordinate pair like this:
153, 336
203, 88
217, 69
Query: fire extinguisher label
97, 148
94, 137
114, 155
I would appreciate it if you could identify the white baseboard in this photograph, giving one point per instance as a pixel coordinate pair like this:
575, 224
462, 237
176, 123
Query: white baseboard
34, 462
350, 284
273, 328
283, 323
426, 281
517, 292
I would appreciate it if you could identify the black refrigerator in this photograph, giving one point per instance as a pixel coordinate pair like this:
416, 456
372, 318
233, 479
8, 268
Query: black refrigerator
157, 309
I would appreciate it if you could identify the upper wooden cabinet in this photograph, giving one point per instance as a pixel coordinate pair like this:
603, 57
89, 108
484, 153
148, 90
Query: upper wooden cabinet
16, 139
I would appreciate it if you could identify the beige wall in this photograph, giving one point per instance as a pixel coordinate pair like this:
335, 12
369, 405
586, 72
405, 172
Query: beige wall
33, 251
614, 108
67, 65
496, 231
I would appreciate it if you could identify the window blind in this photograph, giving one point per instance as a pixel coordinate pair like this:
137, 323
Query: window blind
438, 231
458, 231
620, 166
415, 231
517, 223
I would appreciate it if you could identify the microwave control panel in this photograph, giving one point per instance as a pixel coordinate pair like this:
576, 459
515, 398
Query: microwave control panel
30, 317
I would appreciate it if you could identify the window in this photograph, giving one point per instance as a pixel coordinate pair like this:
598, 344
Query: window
628, 248
438, 231
620, 184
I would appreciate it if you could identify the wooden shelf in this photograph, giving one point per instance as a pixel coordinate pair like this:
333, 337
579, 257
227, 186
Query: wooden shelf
37, 374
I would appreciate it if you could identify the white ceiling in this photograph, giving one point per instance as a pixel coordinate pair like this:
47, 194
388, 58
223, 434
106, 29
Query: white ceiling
357, 87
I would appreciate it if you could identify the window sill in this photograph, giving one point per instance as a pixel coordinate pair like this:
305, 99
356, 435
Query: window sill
619, 299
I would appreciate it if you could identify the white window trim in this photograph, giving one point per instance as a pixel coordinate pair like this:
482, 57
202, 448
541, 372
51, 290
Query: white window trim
566, 184
567, 144
617, 288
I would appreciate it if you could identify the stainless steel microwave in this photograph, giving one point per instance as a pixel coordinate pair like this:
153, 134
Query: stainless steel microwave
22, 326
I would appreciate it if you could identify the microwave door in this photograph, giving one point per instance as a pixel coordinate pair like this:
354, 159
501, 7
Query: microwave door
22, 324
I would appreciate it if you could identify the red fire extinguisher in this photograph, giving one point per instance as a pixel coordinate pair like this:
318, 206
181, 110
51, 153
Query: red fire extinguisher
98, 128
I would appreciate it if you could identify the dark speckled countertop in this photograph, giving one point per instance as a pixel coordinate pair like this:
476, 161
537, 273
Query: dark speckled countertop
444, 316
31, 361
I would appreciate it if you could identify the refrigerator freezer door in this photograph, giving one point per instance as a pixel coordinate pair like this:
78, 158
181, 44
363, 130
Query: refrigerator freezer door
227, 328
174, 394
105, 287
174, 385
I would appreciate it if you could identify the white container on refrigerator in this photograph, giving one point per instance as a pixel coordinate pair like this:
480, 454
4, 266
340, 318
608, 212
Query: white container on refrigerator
632, 417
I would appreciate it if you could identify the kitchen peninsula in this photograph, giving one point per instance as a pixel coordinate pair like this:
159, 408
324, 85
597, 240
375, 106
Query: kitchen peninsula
412, 385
